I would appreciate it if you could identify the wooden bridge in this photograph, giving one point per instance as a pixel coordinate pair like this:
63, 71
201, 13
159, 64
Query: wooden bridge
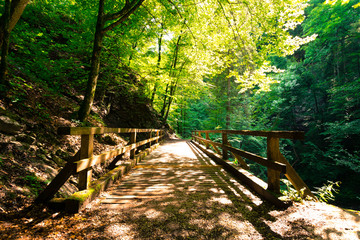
176, 168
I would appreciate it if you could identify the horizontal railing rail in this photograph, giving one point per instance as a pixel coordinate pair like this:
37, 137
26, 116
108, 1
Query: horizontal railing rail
84, 160
276, 134
275, 162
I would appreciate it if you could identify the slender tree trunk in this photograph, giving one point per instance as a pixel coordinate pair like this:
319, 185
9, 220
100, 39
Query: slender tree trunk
100, 31
17, 8
162, 112
228, 103
183, 120
167, 110
174, 83
5, 45
157, 71
95, 66
171, 97
179, 122
358, 65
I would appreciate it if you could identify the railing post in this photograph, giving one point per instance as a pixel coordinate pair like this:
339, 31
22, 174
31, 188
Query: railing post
86, 151
157, 134
273, 155
132, 140
225, 142
207, 138
150, 136
199, 134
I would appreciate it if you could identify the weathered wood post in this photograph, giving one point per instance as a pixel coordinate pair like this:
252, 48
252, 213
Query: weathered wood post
273, 155
225, 142
132, 140
199, 134
86, 151
207, 138
157, 134
150, 136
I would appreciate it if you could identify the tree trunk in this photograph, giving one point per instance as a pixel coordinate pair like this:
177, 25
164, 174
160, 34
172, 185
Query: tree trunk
172, 93
95, 66
174, 83
5, 45
183, 119
17, 8
157, 71
162, 112
120, 17
228, 103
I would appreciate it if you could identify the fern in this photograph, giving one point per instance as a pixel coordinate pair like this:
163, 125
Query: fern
327, 191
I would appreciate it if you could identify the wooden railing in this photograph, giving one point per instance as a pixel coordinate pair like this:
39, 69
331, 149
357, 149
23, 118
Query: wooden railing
83, 161
275, 161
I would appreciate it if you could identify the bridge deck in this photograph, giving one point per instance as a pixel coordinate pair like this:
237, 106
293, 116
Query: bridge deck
178, 192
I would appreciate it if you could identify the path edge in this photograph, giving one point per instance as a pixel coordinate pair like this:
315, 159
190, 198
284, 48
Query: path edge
78, 200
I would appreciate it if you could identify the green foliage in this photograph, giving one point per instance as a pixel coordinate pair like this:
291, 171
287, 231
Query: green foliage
33, 183
289, 193
327, 191
318, 94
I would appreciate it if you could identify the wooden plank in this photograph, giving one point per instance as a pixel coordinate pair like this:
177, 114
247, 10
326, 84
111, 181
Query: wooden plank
241, 161
78, 200
273, 155
207, 138
113, 163
89, 162
132, 140
263, 161
280, 167
217, 150
99, 130
295, 179
150, 136
86, 151
276, 134
244, 179
54, 186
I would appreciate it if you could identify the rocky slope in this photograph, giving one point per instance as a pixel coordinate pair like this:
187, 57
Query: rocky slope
31, 152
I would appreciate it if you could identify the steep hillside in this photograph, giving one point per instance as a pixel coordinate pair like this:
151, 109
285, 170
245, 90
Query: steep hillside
49, 56
31, 152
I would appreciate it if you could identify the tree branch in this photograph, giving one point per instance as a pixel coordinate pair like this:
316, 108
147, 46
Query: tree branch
123, 14
128, 7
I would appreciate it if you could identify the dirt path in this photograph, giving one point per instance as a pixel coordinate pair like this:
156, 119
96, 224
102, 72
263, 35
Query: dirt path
179, 193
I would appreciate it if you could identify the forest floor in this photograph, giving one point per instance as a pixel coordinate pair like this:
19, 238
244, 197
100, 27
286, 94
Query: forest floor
178, 193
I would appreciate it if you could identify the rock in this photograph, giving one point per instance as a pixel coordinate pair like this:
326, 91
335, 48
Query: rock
7, 125
6, 138
108, 140
58, 160
32, 150
12, 147
26, 138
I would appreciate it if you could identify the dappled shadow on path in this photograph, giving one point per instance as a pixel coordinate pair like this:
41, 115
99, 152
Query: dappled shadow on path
175, 193
182, 194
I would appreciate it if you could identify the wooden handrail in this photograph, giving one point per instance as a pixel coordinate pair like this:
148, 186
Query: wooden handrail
261, 160
99, 130
84, 160
275, 161
92, 161
276, 134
